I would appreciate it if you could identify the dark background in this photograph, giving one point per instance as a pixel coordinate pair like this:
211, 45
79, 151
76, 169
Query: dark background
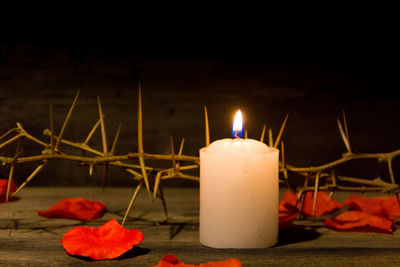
310, 70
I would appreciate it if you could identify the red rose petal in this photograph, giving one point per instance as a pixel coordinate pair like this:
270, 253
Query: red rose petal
172, 261
3, 189
381, 206
289, 198
360, 221
75, 209
287, 214
108, 241
323, 205
233, 262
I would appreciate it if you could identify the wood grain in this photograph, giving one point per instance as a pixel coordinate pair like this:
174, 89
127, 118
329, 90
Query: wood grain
27, 239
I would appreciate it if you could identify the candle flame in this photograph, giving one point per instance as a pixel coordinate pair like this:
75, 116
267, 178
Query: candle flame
237, 129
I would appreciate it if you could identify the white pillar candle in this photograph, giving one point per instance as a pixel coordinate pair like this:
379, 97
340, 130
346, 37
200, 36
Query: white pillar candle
239, 194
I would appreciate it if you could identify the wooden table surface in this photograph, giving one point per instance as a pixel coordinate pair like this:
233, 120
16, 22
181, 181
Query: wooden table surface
27, 239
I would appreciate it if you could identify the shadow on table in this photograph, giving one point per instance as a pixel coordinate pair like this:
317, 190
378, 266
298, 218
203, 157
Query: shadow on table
295, 234
134, 252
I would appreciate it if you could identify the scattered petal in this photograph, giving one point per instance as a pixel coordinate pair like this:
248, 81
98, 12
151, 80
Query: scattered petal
3, 189
172, 261
381, 206
360, 221
323, 206
75, 209
233, 262
108, 241
287, 214
289, 198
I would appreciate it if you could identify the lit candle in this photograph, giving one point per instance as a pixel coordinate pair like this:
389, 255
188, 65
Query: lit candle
239, 193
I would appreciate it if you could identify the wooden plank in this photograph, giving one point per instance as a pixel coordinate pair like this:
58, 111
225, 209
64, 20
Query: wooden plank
27, 239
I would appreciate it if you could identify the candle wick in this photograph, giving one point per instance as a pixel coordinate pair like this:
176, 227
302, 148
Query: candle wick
237, 135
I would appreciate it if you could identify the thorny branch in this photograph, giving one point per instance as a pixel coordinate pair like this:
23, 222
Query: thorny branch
324, 176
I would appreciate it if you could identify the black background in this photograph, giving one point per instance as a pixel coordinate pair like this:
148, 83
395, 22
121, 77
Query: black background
311, 67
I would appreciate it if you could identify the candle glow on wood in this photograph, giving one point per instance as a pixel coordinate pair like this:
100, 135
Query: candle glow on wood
239, 193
